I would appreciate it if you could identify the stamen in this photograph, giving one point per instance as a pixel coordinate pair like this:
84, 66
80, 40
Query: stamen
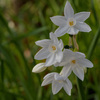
71, 23
60, 81
53, 48
73, 61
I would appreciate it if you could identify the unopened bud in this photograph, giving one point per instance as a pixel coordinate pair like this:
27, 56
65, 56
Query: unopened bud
39, 68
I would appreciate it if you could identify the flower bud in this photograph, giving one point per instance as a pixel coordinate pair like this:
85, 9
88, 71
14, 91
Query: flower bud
39, 68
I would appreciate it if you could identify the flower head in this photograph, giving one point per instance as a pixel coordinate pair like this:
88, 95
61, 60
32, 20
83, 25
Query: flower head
58, 81
71, 23
51, 51
74, 61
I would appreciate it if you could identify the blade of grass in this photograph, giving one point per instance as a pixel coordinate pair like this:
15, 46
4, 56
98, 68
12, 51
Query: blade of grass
13, 94
93, 44
21, 52
90, 53
11, 62
35, 32
2, 70
54, 6
43, 22
94, 12
2, 19
25, 35
28, 70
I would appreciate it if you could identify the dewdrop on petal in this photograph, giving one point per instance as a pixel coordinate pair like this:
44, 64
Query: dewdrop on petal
39, 68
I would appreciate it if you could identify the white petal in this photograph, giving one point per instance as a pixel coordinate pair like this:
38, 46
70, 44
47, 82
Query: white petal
61, 31
58, 20
79, 72
56, 64
67, 88
54, 38
72, 31
47, 81
43, 43
68, 10
69, 83
39, 68
68, 52
79, 55
83, 27
50, 60
85, 63
42, 54
56, 86
81, 16
49, 75
59, 56
58, 77
67, 57
66, 71
60, 45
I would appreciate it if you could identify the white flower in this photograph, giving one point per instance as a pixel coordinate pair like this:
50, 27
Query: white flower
51, 51
39, 68
71, 23
58, 81
74, 61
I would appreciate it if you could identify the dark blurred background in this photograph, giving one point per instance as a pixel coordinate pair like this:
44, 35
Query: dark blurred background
22, 22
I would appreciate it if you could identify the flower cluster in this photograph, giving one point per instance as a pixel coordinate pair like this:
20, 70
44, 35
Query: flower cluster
55, 54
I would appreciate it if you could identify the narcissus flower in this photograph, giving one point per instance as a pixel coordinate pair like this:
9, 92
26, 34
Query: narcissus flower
71, 23
74, 61
51, 51
39, 68
58, 82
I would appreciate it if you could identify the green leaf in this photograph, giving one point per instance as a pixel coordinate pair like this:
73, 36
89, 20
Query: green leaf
93, 44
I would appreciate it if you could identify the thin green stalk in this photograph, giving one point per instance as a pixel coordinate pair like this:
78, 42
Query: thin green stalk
80, 89
94, 12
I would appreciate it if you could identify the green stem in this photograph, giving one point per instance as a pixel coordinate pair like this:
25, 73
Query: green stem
79, 82
91, 49
80, 89
75, 43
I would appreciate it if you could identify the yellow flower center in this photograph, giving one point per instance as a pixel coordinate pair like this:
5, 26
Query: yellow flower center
71, 23
53, 48
73, 61
60, 81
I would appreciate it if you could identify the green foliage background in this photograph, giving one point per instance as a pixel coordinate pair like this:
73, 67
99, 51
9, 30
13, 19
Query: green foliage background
22, 22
